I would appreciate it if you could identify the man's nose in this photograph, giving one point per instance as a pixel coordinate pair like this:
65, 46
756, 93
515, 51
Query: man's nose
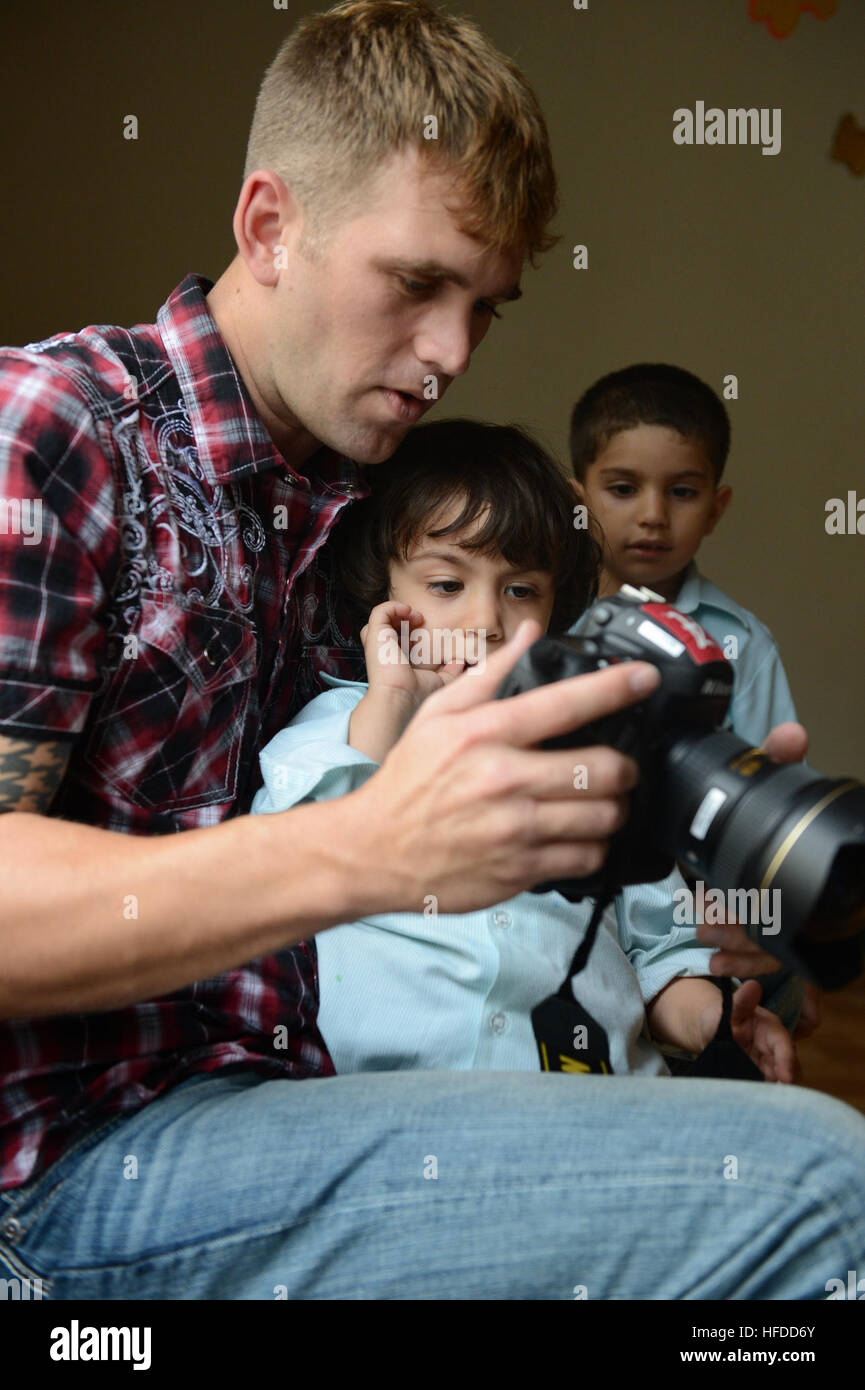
446, 343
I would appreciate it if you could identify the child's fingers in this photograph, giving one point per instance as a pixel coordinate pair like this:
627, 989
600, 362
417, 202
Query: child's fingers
745, 1002
450, 671
778, 1059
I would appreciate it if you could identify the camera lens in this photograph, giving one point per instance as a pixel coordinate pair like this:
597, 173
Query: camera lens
743, 822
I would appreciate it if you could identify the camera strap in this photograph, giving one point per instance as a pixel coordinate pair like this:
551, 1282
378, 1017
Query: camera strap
569, 1039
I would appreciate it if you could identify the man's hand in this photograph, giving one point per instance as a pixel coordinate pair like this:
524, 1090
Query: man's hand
466, 810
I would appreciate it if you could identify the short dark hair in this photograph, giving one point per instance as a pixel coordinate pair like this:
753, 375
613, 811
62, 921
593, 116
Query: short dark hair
499, 471
649, 393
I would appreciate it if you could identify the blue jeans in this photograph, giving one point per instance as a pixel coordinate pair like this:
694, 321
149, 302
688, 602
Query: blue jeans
433, 1185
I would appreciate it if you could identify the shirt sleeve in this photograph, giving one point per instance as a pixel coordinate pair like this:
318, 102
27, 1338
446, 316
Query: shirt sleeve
311, 758
658, 949
52, 639
761, 693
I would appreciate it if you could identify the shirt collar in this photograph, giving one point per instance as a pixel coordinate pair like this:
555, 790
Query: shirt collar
229, 434
697, 592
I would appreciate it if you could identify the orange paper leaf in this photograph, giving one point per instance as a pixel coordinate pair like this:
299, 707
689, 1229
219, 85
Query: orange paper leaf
782, 16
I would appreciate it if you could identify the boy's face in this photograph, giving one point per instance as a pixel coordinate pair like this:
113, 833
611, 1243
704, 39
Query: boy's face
653, 493
466, 591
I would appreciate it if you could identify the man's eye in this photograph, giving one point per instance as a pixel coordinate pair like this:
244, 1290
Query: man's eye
444, 586
416, 286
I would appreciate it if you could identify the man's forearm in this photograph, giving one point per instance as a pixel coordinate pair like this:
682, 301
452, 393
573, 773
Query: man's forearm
92, 919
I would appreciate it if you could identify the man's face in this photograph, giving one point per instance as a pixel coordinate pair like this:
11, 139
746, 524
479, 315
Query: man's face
399, 295
654, 494
466, 591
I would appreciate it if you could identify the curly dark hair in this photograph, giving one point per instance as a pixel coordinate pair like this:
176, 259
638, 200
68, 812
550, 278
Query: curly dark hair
501, 474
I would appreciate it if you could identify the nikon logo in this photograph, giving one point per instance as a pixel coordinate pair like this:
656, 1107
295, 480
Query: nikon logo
735, 126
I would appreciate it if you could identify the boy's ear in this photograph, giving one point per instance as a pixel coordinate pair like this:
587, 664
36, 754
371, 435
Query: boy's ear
722, 500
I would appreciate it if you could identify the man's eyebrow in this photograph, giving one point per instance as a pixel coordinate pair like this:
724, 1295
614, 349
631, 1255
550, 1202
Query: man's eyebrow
434, 270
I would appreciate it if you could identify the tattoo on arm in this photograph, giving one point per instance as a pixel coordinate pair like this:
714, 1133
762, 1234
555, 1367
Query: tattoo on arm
30, 773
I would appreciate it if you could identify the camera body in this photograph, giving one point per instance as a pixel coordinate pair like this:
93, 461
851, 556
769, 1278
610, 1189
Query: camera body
694, 695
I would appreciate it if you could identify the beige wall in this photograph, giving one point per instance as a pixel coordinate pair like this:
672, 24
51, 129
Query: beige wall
717, 258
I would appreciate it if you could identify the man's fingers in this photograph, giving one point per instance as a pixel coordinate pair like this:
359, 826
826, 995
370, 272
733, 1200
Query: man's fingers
729, 963
561, 707
557, 821
571, 775
737, 953
786, 743
482, 681
565, 706
557, 708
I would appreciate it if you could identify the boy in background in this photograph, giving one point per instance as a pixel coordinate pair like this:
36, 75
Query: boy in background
648, 448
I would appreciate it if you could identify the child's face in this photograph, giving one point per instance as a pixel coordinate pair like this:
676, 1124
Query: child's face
654, 494
466, 591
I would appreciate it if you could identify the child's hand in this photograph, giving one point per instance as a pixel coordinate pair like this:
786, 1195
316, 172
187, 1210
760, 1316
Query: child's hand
762, 1035
388, 663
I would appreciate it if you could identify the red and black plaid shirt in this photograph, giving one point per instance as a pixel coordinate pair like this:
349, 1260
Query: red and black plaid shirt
165, 609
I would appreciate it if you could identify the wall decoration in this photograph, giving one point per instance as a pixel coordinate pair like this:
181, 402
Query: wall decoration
782, 16
849, 144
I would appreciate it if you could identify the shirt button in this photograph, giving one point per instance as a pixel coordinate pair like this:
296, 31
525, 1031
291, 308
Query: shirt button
498, 1023
12, 1228
501, 919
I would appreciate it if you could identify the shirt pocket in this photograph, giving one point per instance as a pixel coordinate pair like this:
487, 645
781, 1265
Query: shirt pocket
169, 732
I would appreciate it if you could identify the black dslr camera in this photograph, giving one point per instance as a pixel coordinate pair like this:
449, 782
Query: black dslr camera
706, 799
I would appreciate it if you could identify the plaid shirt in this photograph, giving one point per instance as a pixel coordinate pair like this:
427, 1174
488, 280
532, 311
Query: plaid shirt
173, 615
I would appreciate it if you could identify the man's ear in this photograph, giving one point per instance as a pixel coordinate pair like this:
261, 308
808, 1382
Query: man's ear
267, 223
723, 498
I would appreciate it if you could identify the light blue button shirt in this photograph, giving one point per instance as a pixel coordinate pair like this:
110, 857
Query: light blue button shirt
761, 699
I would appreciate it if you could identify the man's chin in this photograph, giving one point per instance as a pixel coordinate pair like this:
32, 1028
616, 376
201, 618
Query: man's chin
372, 446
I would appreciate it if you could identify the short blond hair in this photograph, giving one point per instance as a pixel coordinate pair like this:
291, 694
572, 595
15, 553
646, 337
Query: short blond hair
354, 85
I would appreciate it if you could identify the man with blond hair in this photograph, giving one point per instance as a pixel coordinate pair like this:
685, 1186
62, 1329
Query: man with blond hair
176, 611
